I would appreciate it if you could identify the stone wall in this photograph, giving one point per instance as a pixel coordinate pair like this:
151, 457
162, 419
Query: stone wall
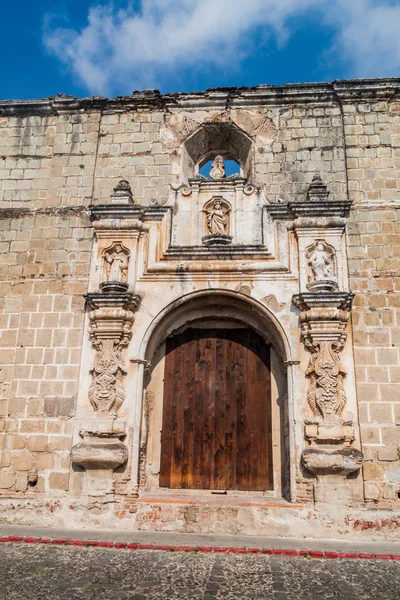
373, 150
61, 155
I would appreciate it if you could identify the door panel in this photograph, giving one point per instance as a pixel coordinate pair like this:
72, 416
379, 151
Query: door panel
216, 430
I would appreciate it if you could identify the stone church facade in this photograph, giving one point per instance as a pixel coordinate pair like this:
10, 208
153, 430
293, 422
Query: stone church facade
202, 352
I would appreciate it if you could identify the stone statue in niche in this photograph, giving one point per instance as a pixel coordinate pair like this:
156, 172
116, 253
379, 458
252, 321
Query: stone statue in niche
116, 260
321, 259
218, 168
217, 218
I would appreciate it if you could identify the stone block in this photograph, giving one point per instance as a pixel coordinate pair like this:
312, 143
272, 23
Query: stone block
37, 443
21, 482
391, 436
373, 471
23, 462
394, 472
59, 443
389, 453
380, 413
58, 481
7, 479
59, 407
372, 491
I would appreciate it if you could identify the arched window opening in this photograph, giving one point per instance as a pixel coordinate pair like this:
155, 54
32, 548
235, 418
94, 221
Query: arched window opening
217, 139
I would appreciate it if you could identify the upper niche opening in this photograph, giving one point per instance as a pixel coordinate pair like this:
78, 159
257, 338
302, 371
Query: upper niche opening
213, 139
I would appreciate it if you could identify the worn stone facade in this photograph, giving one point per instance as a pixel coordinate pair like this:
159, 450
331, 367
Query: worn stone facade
111, 241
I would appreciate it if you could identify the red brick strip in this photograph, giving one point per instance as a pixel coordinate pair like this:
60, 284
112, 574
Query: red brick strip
233, 550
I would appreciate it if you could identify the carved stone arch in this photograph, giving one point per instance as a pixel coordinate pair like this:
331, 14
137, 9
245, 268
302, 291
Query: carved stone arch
220, 310
217, 301
218, 138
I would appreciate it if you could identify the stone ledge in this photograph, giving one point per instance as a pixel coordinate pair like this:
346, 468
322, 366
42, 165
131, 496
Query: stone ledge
327, 93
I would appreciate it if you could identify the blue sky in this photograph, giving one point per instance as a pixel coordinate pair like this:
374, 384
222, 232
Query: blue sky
102, 47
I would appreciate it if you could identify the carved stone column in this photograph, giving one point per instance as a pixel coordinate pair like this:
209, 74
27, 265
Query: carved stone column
111, 320
102, 450
330, 432
118, 227
325, 305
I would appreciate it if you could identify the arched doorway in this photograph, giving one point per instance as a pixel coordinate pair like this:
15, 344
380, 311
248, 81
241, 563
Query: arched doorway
216, 426
226, 430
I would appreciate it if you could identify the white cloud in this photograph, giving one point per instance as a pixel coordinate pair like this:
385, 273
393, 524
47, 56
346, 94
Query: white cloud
134, 48
368, 36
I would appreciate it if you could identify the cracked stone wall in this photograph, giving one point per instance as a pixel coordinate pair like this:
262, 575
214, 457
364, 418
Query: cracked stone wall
59, 156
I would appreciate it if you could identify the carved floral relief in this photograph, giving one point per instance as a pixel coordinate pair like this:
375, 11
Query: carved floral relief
110, 330
106, 393
326, 395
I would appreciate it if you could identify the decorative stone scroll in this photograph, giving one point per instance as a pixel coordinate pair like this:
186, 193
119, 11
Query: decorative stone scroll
111, 319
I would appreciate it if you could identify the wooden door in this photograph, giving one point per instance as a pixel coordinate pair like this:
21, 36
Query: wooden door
216, 431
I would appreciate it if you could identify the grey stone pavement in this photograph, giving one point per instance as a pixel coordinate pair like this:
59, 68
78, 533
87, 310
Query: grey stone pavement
39, 571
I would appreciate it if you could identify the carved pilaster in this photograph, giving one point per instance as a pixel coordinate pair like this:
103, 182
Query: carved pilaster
323, 319
111, 318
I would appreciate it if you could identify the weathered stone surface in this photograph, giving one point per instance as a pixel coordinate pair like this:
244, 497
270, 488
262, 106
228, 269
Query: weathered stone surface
313, 213
59, 407
332, 462
37, 571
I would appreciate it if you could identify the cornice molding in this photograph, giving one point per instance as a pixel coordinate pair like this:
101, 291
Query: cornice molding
337, 92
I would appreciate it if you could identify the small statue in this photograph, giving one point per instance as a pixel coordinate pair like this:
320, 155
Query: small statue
217, 220
320, 258
218, 168
116, 264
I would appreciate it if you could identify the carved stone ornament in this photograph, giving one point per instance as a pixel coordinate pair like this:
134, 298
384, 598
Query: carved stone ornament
116, 261
321, 260
218, 168
122, 193
217, 215
100, 451
317, 190
326, 395
111, 319
323, 320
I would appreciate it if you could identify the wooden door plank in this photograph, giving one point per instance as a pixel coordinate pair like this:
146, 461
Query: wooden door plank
218, 481
188, 381
177, 393
230, 420
207, 398
242, 441
166, 433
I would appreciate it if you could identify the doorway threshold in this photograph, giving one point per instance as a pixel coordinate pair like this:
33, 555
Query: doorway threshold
208, 498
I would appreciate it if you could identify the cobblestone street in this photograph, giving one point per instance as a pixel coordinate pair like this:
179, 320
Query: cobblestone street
68, 573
